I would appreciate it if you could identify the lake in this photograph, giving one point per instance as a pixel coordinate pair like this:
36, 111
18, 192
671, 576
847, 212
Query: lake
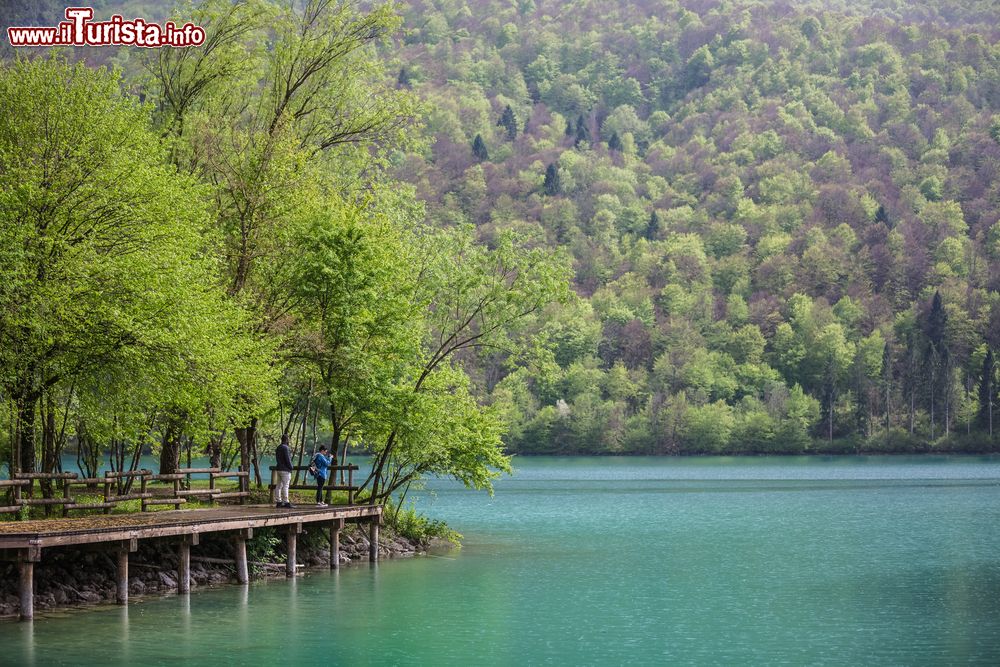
576, 561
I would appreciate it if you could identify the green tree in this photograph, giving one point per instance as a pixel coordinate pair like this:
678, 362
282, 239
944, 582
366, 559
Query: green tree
614, 143
323, 103
987, 392
479, 149
582, 135
103, 270
475, 298
508, 122
653, 226
551, 185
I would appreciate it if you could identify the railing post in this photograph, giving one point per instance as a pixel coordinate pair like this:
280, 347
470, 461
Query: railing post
274, 483
350, 484
107, 494
142, 489
66, 498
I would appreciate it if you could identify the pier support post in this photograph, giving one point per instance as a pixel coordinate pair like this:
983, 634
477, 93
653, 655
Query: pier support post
335, 527
242, 571
373, 540
293, 532
121, 590
27, 589
184, 568
26, 559
125, 547
184, 563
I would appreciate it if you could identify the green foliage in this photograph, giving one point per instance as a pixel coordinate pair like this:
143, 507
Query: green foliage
479, 150
264, 547
508, 122
551, 184
415, 526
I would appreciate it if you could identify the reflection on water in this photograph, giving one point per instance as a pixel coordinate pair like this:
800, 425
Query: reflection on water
618, 561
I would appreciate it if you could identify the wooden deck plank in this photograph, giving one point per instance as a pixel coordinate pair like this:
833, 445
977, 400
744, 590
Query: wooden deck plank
109, 528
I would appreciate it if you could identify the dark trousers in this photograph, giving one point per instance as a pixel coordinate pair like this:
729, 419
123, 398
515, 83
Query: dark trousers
320, 481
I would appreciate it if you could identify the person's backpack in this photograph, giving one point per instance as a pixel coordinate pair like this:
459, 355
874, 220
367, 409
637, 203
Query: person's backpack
312, 467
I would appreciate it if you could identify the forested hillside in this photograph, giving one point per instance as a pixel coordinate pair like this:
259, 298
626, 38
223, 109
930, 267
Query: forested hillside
783, 219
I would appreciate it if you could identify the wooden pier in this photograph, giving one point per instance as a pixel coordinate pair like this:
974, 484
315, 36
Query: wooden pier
24, 541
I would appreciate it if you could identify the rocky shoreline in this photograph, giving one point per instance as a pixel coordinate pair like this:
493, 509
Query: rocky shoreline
77, 576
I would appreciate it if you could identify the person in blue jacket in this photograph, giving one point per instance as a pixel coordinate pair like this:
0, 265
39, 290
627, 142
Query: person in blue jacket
322, 462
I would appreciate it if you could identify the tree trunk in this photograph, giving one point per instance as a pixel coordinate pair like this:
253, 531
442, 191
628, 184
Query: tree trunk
170, 450
248, 450
888, 413
912, 402
215, 449
25, 436
243, 437
343, 459
830, 431
49, 454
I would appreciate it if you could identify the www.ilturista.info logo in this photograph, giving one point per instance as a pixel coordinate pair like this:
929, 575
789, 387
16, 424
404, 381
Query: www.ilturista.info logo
79, 30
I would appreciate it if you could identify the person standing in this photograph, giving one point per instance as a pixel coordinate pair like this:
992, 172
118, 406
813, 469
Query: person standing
322, 462
284, 469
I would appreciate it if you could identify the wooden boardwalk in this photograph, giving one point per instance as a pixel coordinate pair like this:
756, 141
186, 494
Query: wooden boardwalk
25, 541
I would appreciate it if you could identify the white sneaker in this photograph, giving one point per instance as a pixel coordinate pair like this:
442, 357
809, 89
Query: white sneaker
320, 504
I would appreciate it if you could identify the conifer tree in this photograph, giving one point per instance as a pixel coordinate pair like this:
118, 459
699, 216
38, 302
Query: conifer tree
614, 143
881, 216
653, 227
479, 148
551, 184
509, 122
582, 131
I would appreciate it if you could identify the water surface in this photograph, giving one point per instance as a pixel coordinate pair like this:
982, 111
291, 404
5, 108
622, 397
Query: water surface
841, 561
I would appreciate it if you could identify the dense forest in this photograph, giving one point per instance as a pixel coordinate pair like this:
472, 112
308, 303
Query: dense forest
433, 231
783, 219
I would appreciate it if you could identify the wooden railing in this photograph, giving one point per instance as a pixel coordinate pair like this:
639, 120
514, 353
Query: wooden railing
15, 485
22, 487
330, 486
182, 493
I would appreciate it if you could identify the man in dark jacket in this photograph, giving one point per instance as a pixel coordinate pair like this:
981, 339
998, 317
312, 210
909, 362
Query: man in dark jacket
284, 468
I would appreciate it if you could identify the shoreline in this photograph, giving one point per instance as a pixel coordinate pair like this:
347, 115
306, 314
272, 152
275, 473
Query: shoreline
77, 578
830, 451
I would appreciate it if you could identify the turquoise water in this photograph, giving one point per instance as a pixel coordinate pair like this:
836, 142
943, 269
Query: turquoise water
600, 561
